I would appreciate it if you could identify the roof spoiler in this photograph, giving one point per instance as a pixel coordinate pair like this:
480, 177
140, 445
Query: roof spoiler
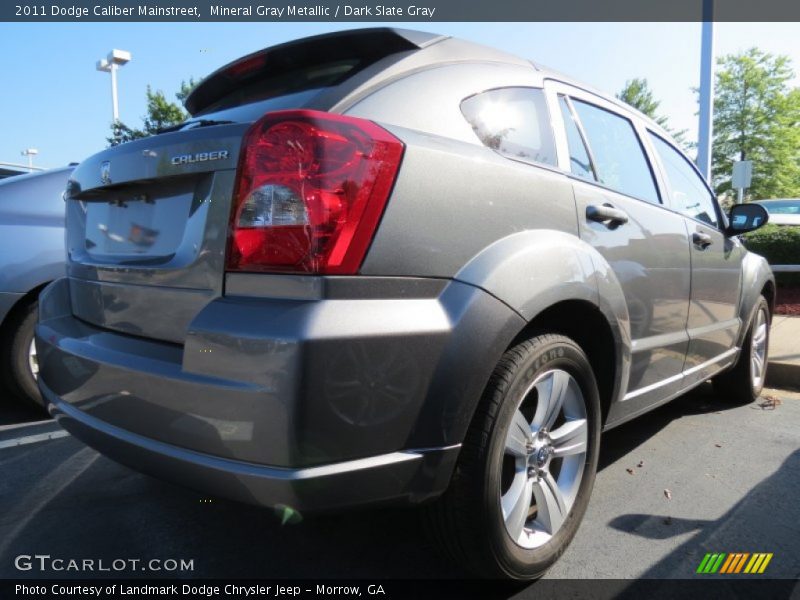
371, 44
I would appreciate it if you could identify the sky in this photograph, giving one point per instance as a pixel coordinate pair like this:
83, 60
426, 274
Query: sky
54, 100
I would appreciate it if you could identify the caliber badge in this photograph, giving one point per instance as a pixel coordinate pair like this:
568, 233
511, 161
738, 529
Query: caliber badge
188, 159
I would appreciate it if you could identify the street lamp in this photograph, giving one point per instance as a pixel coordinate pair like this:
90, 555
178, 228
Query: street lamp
110, 64
30, 153
705, 133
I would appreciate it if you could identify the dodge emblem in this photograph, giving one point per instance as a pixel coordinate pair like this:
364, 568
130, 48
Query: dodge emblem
105, 172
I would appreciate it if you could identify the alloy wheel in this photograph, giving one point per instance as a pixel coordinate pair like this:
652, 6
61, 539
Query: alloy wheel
544, 458
33, 360
758, 349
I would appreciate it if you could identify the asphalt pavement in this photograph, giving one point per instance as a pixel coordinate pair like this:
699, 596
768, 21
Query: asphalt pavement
695, 476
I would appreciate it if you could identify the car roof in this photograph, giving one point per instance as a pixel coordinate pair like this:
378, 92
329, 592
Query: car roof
431, 49
623, 106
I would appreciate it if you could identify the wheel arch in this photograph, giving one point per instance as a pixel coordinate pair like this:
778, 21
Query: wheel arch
556, 283
757, 280
26, 299
585, 324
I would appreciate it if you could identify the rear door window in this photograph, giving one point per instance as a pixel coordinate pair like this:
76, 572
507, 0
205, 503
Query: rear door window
513, 121
619, 158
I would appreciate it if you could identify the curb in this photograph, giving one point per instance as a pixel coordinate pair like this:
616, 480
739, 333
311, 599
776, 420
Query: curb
783, 375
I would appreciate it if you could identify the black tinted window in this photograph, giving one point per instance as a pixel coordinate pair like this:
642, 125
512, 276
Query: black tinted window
689, 193
255, 110
579, 162
288, 84
513, 121
619, 159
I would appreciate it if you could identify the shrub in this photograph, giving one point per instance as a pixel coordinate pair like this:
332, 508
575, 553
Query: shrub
780, 245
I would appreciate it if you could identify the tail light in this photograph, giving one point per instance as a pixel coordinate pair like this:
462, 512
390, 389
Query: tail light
310, 192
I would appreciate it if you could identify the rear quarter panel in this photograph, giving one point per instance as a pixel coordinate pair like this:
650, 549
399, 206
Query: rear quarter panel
452, 199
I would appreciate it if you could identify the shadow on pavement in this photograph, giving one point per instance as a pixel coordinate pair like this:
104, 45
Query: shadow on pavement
621, 440
750, 526
652, 526
63, 499
14, 411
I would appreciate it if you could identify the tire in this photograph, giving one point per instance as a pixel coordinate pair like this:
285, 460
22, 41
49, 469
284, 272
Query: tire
477, 521
15, 355
743, 383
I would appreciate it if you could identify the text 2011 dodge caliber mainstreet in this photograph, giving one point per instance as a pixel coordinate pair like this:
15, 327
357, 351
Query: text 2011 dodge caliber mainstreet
389, 266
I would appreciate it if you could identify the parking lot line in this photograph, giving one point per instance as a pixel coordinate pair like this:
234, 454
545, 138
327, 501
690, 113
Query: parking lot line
27, 424
32, 439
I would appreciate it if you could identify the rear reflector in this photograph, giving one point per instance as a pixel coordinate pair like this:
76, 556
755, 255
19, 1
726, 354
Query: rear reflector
311, 188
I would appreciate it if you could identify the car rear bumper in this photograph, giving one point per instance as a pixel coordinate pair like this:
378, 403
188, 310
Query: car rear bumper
410, 476
309, 404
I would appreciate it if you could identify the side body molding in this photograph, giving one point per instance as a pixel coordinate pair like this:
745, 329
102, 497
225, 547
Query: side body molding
531, 271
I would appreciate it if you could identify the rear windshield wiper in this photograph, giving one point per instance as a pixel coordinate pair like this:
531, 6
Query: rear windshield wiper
193, 125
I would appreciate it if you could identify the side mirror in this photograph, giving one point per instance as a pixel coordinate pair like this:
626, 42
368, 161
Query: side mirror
746, 217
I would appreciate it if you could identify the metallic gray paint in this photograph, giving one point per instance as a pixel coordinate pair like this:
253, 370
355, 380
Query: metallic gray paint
650, 257
279, 372
410, 476
285, 382
149, 159
309, 287
442, 53
437, 109
756, 275
121, 295
713, 323
443, 180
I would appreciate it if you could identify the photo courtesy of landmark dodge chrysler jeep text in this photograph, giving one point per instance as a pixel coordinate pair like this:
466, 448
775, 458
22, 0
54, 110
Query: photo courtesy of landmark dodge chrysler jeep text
418, 271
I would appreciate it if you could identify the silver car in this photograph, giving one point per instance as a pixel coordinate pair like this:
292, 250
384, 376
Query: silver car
782, 211
31, 256
385, 266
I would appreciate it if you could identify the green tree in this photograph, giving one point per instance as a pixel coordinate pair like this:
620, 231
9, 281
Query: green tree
161, 113
757, 117
186, 88
637, 93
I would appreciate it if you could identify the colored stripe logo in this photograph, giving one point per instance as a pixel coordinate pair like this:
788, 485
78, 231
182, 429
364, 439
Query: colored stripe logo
735, 562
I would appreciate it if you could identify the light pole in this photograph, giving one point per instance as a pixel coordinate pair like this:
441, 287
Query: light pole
30, 153
706, 122
110, 64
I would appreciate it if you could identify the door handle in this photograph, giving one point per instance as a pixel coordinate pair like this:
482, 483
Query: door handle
701, 240
608, 215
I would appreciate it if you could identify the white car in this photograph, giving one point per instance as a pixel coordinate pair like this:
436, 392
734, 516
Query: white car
784, 211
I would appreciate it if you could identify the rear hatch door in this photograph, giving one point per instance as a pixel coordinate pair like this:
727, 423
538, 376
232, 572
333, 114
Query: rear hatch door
147, 221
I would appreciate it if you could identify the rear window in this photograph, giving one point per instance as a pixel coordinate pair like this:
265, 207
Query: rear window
514, 122
255, 110
305, 66
288, 84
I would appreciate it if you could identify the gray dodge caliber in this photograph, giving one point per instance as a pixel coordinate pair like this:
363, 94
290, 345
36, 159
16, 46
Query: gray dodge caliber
385, 266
